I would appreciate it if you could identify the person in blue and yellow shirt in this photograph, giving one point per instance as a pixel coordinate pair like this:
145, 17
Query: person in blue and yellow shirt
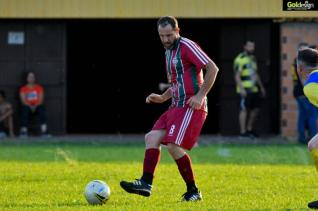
249, 87
307, 68
307, 113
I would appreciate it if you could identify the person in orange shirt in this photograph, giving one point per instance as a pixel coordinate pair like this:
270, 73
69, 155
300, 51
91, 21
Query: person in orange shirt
32, 98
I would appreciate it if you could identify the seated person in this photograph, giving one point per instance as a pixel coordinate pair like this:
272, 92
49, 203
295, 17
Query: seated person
32, 98
6, 119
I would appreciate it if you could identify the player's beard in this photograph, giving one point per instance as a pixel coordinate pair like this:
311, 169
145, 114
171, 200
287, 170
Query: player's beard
250, 52
169, 45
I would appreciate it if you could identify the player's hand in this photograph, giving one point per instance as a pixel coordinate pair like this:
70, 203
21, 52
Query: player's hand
155, 98
195, 102
263, 92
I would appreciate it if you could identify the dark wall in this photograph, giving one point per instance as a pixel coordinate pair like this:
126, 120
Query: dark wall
114, 64
43, 51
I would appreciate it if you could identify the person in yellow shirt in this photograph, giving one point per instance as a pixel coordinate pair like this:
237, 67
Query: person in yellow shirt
307, 68
249, 87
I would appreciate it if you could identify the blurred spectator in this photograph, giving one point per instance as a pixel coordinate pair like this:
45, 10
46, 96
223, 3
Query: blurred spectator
6, 119
307, 113
32, 98
249, 87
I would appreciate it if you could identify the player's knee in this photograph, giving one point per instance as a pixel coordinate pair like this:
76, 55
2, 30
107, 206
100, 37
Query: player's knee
148, 138
313, 143
171, 149
152, 140
175, 151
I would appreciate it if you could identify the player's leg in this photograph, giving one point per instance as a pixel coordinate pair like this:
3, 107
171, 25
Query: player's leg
301, 120
311, 116
152, 154
313, 149
9, 125
242, 119
251, 120
2, 130
184, 128
26, 112
184, 164
143, 185
243, 114
43, 121
253, 105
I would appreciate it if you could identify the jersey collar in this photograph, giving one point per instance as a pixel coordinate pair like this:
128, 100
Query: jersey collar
176, 43
314, 71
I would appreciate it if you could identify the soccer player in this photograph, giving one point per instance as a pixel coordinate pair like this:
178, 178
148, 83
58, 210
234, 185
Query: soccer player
179, 127
307, 113
307, 67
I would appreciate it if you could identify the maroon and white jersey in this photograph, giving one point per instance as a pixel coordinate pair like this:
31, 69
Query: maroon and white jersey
184, 63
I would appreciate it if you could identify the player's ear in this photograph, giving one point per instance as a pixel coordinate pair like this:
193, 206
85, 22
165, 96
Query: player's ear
299, 67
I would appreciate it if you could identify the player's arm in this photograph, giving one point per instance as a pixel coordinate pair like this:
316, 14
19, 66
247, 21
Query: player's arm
237, 77
238, 82
23, 98
41, 97
294, 73
11, 127
196, 101
156, 98
8, 112
260, 84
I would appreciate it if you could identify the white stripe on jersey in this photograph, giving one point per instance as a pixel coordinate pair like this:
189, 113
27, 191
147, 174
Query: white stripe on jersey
196, 47
184, 125
196, 50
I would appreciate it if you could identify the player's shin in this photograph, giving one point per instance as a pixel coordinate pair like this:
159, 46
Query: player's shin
313, 149
152, 157
314, 155
185, 168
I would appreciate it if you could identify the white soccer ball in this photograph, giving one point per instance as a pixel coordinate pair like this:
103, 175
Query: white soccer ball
97, 192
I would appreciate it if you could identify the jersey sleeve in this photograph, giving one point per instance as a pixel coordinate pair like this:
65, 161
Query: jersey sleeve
238, 64
40, 89
294, 71
311, 92
311, 88
195, 54
22, 90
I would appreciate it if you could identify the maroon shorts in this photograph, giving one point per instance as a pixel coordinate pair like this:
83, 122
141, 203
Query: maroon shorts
182, 125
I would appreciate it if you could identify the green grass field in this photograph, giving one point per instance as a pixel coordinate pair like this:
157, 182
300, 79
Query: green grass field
231, 177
